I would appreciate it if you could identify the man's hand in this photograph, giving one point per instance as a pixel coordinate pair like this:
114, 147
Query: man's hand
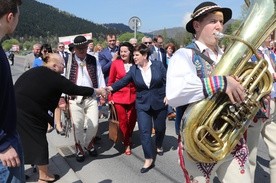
235, 90
10, 157
100, 91
115, 56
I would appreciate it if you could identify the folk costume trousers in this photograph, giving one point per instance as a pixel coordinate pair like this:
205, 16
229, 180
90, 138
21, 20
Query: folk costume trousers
85, 119
268, 130
232, 169
127, 117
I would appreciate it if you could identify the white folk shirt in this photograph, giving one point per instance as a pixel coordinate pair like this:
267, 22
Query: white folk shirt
83, 78
183, 85
270, 69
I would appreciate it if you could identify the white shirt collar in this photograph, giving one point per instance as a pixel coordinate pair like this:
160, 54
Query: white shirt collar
149, 64
203, 47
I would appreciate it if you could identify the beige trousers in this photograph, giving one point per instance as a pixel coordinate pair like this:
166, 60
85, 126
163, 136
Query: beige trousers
268, 131
84, 115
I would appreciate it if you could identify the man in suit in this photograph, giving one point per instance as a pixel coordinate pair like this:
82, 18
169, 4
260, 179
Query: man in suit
158, 53
64, 54
157, 50
147, 41
108, 54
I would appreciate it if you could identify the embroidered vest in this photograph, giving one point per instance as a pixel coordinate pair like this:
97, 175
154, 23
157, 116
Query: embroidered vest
203, 68
91, 66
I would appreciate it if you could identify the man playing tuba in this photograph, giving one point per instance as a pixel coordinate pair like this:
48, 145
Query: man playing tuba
189, 80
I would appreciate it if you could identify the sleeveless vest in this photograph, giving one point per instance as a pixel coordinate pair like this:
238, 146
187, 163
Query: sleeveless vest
203, 68
91, 66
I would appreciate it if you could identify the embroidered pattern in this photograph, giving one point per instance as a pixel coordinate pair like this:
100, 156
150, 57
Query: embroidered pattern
91, 67
203, 68
206, 169
240, 153
213, 84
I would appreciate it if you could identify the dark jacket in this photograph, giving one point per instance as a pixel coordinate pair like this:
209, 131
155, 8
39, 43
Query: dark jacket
146, 98
7, 105
105, 59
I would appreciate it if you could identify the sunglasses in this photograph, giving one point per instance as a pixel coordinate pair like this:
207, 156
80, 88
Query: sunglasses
147, 42
61, 46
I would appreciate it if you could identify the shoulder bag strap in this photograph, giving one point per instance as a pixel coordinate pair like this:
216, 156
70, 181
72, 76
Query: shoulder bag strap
210, 61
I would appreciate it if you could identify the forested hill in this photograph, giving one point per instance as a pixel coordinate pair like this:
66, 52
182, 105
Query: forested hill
38, 19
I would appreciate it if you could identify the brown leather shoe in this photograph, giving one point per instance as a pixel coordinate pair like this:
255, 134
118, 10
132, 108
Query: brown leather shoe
171, 116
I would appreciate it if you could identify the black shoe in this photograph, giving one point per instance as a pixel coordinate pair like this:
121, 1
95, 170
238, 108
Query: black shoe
62, 132
79, 157
97, 138
27, 177
93, 152
145, 170
160, 151
50, 130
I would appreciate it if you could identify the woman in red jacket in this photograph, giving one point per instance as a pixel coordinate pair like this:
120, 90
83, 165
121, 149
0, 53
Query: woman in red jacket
124, 99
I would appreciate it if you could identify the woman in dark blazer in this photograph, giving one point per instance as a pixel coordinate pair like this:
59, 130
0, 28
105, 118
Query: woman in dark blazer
150, 80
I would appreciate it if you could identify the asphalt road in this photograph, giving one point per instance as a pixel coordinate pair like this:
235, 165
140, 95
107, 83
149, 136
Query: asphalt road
112, 166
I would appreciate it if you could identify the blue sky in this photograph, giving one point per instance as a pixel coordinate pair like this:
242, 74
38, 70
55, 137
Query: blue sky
154, 14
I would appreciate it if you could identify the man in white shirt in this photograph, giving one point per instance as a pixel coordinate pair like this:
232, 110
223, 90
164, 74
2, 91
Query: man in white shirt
84, 70
190, 81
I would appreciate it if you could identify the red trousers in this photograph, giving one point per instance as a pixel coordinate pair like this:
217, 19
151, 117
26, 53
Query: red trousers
127, 118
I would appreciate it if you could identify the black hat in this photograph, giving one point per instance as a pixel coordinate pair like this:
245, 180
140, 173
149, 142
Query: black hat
71, 47
205, 8
80, 40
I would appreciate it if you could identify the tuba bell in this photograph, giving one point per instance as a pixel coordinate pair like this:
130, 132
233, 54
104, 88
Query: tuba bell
212, 127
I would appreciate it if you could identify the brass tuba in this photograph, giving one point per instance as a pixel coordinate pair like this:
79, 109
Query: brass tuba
213, 126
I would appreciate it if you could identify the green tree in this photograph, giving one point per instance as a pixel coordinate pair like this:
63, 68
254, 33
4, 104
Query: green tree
230, 30
28, 45
7, 44
126, 36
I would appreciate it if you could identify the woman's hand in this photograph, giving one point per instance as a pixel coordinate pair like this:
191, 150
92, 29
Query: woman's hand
109, 89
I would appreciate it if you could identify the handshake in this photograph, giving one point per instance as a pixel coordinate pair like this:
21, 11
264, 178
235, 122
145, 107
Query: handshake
103, 91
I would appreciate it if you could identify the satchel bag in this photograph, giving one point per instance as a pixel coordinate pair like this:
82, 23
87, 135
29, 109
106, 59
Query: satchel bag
115, 133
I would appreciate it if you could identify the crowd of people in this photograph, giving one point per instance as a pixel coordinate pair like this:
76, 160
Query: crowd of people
148, 82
